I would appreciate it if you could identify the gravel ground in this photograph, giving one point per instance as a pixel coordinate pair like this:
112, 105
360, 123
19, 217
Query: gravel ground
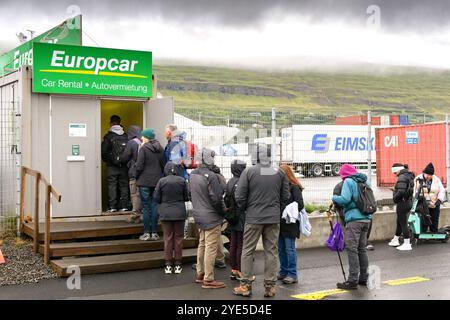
22, 264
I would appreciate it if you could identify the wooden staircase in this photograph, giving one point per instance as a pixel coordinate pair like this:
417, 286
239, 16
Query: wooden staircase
104, 246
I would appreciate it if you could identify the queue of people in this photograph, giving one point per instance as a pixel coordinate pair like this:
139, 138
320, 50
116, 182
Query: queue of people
260, 201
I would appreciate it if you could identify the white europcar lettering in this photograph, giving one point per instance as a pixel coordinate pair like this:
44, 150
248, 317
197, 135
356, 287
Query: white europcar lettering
60, 59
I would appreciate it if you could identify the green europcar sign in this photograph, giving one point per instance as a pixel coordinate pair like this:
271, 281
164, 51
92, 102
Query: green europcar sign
68, 32
91, 71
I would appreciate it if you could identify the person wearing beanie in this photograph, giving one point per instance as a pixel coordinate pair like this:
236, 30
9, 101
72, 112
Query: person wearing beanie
149, 169
208, 209
403, 194
113, 147
357, 227
434, 193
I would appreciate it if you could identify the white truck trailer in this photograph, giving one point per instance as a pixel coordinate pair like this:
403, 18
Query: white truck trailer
317, 150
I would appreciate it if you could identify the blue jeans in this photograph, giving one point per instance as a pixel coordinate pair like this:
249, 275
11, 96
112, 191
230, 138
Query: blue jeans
149, 209
288, 257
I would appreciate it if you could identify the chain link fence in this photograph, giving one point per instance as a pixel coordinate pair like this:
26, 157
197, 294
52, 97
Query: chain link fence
316, 144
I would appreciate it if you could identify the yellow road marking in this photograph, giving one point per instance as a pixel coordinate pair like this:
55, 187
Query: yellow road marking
410, 280
318, 295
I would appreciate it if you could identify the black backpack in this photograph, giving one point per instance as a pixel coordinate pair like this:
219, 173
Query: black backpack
118, 145
366, 202
232, 214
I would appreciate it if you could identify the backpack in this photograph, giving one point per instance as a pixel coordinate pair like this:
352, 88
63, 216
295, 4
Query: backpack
190, 161
335, 241
410, 192
118, 145
231, 215
366, 202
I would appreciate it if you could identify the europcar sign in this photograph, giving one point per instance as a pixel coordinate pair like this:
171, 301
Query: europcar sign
91, 70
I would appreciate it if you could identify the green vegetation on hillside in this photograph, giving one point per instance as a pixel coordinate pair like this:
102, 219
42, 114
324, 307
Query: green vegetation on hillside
308, 96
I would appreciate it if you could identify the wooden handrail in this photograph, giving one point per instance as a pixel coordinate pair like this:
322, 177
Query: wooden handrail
49, 192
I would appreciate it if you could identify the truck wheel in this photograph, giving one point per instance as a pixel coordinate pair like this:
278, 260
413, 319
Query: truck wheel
317, 170
335, 169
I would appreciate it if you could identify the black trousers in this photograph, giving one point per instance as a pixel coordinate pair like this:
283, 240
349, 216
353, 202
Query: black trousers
403, 209
118, 188
435, 213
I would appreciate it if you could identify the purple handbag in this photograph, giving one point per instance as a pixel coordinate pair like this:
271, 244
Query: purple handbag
336, 241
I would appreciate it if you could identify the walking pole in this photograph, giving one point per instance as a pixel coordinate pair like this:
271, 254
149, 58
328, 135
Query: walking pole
330, 218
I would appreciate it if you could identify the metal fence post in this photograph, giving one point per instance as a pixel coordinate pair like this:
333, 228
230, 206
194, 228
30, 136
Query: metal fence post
369, 147
274, 137
447, 154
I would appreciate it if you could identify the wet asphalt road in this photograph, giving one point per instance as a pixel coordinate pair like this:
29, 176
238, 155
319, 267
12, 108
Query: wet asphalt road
319, 270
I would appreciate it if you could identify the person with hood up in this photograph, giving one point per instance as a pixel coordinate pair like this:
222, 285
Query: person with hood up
236, 220
129, 158
403, 194
208, 209
149, 169
434, 193
261, 192
113, 145
175, 149
171, 193
356, 227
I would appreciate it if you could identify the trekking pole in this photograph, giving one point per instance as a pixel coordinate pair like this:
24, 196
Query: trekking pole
330, 220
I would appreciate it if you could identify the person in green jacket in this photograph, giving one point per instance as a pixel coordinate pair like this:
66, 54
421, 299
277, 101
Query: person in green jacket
356, 228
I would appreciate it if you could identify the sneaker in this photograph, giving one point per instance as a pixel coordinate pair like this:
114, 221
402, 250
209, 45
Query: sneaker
194, 266
168, 269
394, 242
281, 277
213, 284
124, 210
406, 246
269, 290
290, 280
112, 210
243, 290
178, 269
347, 285
370, 247
199, 278
154, 237
220, 265
234, 274
145, 237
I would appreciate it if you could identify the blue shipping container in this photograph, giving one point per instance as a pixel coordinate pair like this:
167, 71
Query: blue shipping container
404, 120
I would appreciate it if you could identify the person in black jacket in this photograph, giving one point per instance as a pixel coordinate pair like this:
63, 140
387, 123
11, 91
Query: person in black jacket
403, 193
236, 220
129, 158
149, 169
171, 193
289, 232
113, 145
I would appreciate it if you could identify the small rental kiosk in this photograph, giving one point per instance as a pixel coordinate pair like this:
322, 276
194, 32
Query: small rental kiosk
67, 95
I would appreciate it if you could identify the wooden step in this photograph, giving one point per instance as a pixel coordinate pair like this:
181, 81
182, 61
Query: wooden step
117, 262
108, 247
86, 230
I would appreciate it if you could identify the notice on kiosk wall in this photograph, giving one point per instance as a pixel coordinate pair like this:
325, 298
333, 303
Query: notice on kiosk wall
77, 130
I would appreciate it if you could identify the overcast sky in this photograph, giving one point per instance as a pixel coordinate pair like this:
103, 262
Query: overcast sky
256, 33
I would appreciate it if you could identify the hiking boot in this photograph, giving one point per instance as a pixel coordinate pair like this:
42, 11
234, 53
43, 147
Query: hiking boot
134, 218
199, 278
154, 237
168, 269
394, 242
269, 290
290, 280
178, 269
220, 265
145, 237
213, 284
281, 277
234, 274
244, 290
347, 285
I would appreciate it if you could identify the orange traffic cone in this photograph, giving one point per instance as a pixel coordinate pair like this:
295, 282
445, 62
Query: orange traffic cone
2, 259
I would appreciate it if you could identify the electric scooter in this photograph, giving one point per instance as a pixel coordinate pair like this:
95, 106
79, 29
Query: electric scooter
415, 222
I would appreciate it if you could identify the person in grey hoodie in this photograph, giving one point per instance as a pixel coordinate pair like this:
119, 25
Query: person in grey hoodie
149, 169
129, 158
261, 192
171, 193
208, 208
113, 145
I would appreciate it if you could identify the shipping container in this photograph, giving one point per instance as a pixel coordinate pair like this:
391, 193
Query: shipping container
415, 145
359, 120
385, 120
395, 120
404, 120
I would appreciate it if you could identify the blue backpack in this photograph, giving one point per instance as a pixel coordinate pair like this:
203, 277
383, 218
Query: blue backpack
336, 241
